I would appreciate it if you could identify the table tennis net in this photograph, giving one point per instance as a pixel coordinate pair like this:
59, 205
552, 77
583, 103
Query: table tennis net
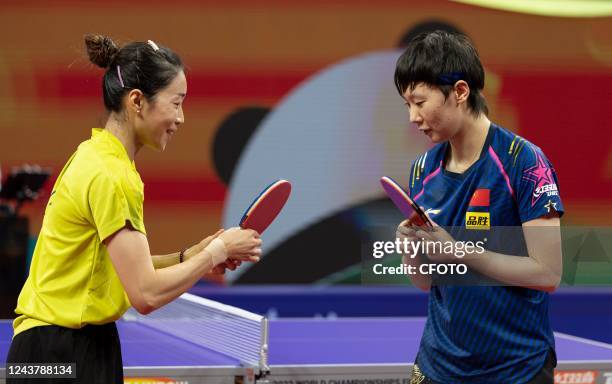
229, 330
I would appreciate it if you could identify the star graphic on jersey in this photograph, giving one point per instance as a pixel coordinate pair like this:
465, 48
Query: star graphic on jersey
540, 174
549, 205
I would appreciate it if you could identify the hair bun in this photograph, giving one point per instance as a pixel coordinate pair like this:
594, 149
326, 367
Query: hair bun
100, 49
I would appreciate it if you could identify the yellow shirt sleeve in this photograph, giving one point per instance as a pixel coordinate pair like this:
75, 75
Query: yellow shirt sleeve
113, 205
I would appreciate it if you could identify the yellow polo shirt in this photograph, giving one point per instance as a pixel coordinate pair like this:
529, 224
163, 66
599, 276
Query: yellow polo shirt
72, 281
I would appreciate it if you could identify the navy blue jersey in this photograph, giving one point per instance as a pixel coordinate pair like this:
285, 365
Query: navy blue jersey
486, 333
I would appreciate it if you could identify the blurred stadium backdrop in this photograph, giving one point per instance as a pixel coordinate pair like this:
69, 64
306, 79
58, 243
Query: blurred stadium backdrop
250, 62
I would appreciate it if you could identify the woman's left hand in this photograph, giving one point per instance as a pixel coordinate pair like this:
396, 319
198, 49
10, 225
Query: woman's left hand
227, 264
437, 242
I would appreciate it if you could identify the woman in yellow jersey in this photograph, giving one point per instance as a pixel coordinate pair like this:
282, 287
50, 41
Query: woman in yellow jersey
92, 258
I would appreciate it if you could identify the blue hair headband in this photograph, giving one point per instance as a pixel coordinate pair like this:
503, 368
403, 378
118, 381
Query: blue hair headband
450, 78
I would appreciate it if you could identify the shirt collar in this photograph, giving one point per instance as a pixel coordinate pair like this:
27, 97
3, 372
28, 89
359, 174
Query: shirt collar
113, 142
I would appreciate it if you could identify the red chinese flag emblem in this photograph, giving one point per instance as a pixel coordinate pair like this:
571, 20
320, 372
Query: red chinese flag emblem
480, 198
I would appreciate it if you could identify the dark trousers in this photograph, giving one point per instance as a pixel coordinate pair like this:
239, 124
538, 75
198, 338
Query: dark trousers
95, 349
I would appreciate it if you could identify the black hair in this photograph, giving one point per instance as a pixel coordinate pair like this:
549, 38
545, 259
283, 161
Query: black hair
440, 59
137, 65
427, 26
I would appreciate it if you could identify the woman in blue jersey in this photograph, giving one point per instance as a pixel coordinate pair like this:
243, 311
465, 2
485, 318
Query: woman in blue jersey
479, 182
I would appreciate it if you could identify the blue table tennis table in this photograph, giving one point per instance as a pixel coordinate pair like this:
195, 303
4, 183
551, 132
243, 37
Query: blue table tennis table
322, 351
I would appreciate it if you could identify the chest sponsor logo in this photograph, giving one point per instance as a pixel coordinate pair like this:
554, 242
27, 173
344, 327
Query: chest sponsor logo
477, 220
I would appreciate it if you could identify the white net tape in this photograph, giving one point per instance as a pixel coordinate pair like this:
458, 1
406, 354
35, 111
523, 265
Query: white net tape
222, 328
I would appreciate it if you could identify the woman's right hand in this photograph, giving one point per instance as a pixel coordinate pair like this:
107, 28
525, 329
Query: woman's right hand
242, 244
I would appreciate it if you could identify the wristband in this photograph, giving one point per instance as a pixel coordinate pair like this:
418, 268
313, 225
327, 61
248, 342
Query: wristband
217, 250
182, 255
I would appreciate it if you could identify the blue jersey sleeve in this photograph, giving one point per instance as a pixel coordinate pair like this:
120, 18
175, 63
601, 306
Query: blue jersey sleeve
536, 185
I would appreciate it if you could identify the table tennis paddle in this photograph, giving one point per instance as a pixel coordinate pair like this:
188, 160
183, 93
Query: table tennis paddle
264, 209
404, 203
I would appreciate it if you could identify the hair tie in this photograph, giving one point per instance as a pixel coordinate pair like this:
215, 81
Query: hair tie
119, 76
153, 45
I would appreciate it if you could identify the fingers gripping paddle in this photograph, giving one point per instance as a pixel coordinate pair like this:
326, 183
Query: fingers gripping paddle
405, 204
264, 209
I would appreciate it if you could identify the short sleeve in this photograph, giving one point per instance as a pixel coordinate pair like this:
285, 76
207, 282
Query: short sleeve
536, 185
109, 206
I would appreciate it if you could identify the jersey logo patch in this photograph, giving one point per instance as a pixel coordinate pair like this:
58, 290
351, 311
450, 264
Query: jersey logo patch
431, 211
477, 220
549, 205
541, 175
480, 198
549, 189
